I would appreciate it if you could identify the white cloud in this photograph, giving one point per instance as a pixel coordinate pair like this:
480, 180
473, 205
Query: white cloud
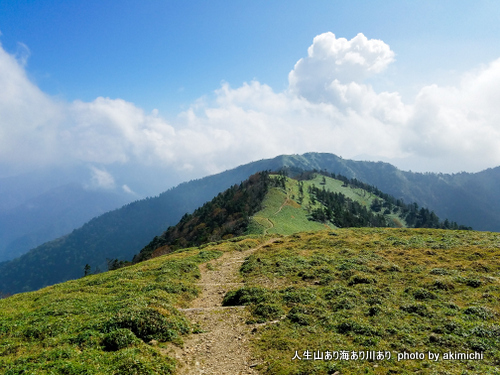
328, 107
28, 117
101, 179
252, 122
332, 62
460, 125
115, 131
128, 190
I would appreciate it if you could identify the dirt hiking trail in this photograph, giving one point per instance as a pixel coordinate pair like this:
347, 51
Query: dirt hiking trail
223, 347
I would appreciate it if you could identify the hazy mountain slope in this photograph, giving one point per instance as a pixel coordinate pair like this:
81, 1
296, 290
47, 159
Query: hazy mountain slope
17, 189
51, 215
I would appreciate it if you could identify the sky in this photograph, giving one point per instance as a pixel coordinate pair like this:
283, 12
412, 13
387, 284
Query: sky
142, 95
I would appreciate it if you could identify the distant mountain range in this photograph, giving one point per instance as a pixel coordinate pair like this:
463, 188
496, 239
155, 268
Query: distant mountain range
471, 199
50, 215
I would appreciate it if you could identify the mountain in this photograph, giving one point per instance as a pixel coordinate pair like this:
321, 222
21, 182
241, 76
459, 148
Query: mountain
50, 215
268, 275
281, 205
470, 199
116, 234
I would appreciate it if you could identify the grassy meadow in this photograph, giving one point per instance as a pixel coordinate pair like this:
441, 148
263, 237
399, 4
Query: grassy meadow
102, 324
287, 210
395, 290
282, 215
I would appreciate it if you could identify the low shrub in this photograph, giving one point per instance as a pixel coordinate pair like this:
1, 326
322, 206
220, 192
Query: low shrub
119, 339
267, 311
246, 296
148, 324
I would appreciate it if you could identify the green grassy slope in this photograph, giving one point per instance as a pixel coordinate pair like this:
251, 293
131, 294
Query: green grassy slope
283, 215
101, 324
359, 195
389, 290
287, 211
358, 289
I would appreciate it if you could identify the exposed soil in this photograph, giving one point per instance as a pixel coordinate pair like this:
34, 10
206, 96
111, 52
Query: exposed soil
223, 347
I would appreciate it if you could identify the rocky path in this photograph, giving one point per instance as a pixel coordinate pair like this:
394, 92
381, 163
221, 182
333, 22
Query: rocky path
223, 347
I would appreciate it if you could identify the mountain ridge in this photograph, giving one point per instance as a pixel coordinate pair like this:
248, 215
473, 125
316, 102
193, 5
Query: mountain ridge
289, 205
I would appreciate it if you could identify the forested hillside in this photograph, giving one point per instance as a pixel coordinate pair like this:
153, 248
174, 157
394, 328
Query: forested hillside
472, 199
226, 216
121, 234
345, 212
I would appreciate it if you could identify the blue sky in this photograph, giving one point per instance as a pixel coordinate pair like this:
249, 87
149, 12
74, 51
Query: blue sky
217, 72
165, 54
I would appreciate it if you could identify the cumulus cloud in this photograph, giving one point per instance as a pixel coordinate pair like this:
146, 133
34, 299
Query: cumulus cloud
253, 121
115, 131
329, 106
459, 123
28, 117
331, 62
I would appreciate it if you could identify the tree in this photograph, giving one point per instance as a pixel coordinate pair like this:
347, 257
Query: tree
86, 270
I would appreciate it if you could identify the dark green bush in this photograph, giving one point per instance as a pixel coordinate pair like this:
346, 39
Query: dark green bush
422, 294
416, 309
361, 279
303, 315
246, 296
293, 295
119, 339
440, 271
374, 310
267, 311
474, 283
349, 326
478, 312
343, 304
442, 285
148, 324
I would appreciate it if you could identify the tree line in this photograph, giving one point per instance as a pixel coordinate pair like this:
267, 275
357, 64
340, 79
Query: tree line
343, 212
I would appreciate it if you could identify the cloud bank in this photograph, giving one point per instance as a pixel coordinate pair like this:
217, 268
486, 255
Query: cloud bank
329, 106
